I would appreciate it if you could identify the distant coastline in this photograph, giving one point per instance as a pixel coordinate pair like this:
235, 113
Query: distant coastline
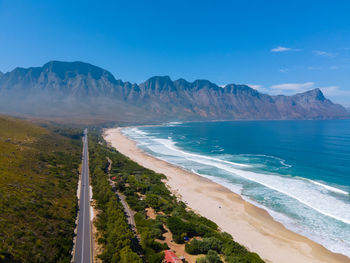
251, 226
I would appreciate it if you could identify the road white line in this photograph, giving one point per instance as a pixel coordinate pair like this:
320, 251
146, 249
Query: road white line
82, 246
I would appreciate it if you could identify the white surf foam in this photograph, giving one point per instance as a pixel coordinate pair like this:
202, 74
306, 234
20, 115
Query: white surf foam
280, 160
173, 123
171, 145
295, 188
133, 131
329, 188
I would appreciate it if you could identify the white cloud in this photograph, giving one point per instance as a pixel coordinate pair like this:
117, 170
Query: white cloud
290, 88
284, 70
285, 88
259, 88
323, 53
334, 91
253, 86
314, 68
334, 67
281, 49
337, 95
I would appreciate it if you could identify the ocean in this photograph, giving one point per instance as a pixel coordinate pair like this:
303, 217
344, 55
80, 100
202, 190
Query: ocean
299, 171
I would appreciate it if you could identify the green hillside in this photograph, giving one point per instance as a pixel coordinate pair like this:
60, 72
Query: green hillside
38, 179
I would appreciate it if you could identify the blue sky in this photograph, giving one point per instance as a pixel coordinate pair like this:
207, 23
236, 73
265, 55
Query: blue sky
278, 47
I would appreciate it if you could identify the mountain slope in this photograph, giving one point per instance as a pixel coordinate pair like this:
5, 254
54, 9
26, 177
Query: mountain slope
75, 89
68, 90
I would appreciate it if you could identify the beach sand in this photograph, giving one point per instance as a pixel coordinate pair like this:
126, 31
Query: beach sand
249, 225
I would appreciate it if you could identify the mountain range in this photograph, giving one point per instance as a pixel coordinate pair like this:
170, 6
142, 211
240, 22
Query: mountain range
77, 90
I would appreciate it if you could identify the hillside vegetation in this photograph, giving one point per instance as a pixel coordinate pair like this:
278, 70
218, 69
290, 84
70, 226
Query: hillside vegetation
38, 178
144, 189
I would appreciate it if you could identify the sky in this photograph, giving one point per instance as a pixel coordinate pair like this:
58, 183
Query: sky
277, 47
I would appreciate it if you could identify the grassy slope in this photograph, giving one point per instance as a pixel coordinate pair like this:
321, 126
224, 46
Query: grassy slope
38, 176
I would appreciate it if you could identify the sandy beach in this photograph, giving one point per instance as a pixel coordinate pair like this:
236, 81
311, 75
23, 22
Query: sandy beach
249, 225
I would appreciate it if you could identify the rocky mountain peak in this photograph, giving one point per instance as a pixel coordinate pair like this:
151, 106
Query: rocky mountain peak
234, 88
158, 83
315, 94
72, 69
203, 83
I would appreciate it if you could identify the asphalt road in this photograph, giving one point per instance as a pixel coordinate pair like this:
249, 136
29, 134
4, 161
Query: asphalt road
83, 240
128, 211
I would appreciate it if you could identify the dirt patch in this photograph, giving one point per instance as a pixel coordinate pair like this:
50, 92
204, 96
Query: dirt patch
97, 248
151, 213
179, 249
141, 195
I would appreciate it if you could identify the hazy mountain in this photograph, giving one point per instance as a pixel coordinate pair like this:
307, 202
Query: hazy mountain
204, 99
61, 89
76, 89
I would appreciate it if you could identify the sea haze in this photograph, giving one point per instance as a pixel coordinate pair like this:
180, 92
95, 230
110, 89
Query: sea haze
299, 171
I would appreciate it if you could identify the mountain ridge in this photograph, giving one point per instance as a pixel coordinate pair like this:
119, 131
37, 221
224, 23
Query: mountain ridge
77, 88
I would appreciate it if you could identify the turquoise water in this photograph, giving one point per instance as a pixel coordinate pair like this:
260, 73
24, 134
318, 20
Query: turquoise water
299, 171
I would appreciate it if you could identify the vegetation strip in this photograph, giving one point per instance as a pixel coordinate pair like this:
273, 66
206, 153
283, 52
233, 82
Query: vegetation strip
118, 242
145, 190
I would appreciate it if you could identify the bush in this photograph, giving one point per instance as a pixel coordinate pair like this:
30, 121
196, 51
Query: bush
212, 257
180, 229
127, 256
203, 246
202, 260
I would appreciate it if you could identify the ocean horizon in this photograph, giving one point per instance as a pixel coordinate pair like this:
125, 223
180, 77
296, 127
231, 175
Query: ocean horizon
299, 171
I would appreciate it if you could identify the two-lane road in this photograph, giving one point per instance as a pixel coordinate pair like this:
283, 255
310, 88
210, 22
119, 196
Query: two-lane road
83, 240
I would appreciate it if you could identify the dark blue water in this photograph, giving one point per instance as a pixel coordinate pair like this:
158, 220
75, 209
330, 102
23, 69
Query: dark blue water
298, 170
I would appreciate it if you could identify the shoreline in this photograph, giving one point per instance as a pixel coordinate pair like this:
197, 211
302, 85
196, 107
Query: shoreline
249, 225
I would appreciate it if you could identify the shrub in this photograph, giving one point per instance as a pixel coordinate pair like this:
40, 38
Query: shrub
203, 246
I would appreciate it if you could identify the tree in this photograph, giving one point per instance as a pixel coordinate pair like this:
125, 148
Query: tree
213, 257
127, 256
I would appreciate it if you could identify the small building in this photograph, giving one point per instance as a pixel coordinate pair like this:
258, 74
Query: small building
170, 257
